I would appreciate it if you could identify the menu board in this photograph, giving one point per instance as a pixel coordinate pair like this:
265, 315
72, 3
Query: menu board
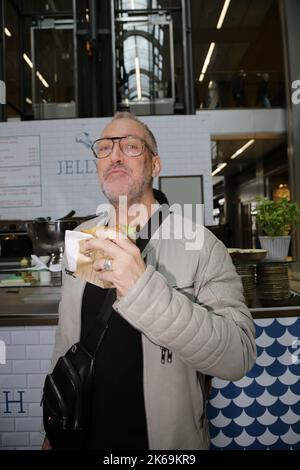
20, 171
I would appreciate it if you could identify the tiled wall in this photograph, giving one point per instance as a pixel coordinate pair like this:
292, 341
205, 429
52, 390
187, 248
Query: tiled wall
260, 411
28, 351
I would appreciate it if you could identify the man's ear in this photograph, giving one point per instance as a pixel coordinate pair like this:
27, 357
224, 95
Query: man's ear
156, 165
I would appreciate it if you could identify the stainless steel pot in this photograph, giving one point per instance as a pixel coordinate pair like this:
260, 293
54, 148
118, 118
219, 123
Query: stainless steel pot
49, 236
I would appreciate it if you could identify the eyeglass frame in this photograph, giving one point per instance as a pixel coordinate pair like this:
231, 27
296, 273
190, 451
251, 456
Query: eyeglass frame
114, 139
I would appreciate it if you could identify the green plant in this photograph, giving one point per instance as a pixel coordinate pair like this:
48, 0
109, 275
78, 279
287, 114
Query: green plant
277, 218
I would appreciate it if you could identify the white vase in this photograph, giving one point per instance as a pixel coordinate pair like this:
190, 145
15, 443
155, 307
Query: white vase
277, 247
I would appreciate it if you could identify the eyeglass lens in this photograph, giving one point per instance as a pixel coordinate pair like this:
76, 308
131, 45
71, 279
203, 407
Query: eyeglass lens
130, 146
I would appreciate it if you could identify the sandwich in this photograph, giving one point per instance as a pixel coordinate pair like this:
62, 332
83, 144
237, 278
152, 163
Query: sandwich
85, 261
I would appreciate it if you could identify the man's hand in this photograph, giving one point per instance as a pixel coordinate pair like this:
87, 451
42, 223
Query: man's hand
46, 444
127, 262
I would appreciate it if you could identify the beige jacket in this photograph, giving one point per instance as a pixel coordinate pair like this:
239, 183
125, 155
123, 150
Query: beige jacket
191, 303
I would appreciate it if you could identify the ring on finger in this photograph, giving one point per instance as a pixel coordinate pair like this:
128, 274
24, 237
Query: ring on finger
107, 265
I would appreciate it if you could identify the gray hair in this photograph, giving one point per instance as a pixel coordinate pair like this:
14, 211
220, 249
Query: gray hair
127, 115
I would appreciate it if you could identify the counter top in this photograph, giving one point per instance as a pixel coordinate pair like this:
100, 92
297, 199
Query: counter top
25, 306
29, 305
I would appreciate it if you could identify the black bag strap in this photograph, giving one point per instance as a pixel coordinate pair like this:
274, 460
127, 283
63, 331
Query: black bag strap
96, 336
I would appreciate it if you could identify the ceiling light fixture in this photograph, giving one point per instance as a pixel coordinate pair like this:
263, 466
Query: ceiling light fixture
7, 32
41, 78
26, 58
138, 78
212, 45
219, 168
242, 149
38, 74
28, 100
223, 14
207, 61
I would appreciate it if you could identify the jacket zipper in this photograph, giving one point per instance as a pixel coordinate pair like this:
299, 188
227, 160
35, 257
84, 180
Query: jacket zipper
165, 352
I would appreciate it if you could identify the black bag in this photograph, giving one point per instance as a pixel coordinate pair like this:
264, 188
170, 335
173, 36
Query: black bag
67, 390
67, 394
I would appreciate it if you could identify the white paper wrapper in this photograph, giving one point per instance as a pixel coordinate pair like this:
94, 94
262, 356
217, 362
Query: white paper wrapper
80, 264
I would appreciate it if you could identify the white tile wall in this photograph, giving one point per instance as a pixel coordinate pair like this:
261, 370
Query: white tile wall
38, 351
26, 366
13, 439
15, 352
25, 337
28, 352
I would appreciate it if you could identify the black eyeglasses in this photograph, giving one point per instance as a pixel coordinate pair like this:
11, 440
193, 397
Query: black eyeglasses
130, 145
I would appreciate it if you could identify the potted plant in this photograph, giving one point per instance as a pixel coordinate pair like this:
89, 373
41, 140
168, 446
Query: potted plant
277, 219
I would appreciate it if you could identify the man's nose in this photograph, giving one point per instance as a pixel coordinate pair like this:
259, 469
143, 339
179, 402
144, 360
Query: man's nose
116, 154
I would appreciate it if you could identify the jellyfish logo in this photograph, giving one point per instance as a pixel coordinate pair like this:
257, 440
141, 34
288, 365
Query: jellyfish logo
84, 139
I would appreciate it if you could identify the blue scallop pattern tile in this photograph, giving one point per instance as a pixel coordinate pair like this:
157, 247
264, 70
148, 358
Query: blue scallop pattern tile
275, 330
214, 431
295, 368
231, 391
214, 393
280, 445
233, 446
213, 413
296, 408
256, 429
232, 411
254, 390
279, 428
232, 430
255, 446
293, 329
262, 411
276, 369
255, 371
259, 350
258, 330
276, 349
277, 388
279, 408
255, 410
296, 427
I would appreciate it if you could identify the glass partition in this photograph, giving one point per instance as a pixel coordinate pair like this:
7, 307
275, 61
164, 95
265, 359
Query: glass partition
237, 54
145, 64
53, 80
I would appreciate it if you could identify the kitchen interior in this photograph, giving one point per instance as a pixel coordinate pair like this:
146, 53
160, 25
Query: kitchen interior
236, 167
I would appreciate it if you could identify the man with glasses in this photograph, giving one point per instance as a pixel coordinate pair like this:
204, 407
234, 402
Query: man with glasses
179, 314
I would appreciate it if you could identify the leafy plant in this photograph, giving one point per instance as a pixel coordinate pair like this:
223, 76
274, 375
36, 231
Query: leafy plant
277, 218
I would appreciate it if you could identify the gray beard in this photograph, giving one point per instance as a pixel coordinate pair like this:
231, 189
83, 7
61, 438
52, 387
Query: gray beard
134, 194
